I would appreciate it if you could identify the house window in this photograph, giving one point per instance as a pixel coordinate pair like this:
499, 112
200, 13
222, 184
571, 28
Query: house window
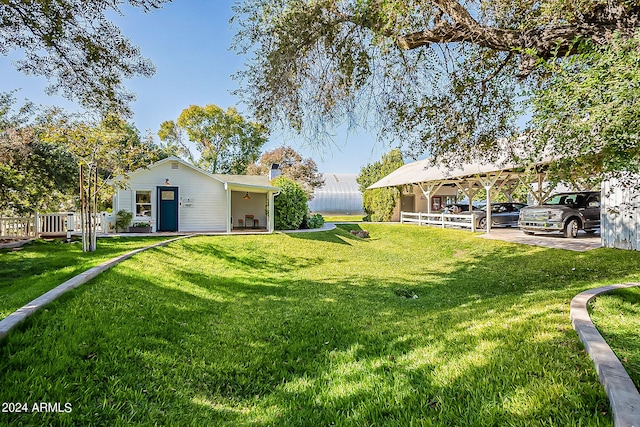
449, 200
143, 203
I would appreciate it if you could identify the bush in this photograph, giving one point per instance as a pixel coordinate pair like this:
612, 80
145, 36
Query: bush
315, 221
123, 219
290, 205
379, 203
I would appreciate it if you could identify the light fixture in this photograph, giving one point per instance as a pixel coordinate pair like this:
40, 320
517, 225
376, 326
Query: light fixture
246, 196
166, 182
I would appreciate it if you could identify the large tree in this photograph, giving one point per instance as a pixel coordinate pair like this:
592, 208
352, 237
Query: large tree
445, 77
104, 148
226, 141
293, 166
589, 113
34, 175
73, 44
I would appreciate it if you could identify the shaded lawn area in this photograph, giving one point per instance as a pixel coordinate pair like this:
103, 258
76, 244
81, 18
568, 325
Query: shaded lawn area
41, 265
309, 329
617, 317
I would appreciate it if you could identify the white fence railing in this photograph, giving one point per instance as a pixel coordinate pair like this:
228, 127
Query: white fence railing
51, 224
16, 227
440, 219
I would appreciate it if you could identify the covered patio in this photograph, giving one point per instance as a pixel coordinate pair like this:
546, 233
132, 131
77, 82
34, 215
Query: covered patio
250, 203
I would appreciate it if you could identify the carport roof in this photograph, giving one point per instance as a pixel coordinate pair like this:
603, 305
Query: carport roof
424, 171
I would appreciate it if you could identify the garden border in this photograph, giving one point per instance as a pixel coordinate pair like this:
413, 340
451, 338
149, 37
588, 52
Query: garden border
21, 314
623, 395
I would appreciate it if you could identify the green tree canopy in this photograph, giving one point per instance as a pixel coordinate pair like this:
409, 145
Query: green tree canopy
378, 204
293, 166
34, 175
448, 78
104, 148
73, 44
588, 114
227, 142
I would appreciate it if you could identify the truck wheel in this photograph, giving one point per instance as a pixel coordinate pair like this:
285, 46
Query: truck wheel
571, 228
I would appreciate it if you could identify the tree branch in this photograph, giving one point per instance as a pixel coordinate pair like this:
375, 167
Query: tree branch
598, 27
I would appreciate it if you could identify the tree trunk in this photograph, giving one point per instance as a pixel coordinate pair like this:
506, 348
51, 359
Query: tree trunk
83, 224
88, 206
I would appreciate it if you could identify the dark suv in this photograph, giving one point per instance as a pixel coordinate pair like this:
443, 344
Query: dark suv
564, 212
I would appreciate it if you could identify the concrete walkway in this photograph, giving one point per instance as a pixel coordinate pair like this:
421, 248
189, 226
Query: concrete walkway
623, 395
583, 242
327, 226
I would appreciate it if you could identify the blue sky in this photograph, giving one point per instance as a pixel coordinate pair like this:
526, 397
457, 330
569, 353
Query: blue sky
189, 42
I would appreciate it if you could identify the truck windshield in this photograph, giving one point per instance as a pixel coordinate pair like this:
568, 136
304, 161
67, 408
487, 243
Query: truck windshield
564, 199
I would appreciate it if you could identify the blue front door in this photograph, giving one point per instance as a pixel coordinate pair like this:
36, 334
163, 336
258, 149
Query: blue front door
167, 208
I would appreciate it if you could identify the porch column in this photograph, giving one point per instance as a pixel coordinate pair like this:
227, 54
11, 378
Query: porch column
226, 187
271, 220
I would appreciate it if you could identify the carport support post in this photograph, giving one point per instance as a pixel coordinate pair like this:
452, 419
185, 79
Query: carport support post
488, 182
488, 217
432, 187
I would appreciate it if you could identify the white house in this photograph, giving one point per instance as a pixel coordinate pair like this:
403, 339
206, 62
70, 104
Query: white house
173, 195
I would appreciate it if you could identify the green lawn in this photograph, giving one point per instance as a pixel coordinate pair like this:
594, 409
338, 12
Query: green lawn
617, 317
343, 218
40, 266
320, 329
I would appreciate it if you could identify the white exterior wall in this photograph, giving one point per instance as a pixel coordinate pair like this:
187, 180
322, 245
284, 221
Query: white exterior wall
420, 203
122, 200
202, 200
620, 216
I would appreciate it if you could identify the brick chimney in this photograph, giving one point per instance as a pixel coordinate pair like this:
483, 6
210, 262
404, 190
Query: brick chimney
275, 171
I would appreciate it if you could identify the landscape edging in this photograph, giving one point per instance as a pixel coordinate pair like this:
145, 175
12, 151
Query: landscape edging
21, 314
622, 392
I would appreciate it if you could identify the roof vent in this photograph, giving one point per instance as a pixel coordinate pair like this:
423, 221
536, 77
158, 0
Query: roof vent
175, 165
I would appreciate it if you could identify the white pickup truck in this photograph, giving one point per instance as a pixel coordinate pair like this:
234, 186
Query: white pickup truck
563, 212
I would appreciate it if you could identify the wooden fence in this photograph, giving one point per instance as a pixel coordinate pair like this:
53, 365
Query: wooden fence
439, 220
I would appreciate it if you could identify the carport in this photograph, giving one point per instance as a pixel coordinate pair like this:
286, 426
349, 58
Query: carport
495, 178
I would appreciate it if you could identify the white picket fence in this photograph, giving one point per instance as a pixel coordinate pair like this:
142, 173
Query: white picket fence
439, 219
51, 224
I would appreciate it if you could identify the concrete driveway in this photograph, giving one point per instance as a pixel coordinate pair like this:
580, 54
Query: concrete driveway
583, 242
